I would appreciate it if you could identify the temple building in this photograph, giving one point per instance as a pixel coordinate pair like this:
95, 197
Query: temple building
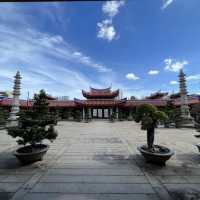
100, 104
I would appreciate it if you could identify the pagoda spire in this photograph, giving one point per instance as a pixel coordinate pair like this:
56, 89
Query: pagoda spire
15, 101
183, 93
182, 81
185, 118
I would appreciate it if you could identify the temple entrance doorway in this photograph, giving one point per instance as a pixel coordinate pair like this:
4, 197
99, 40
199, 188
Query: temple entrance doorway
100, 113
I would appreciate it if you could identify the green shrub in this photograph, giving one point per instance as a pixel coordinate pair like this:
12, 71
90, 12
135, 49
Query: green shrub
36, 124
149, 116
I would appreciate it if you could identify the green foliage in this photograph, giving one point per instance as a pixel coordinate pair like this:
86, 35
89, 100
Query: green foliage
144, 110
171, 112
35, 125
65, 114
3, 116
122, 115
195, 112
146, 123
87, 117
161, 116
175, 96
77, 114
113, 116
149, 116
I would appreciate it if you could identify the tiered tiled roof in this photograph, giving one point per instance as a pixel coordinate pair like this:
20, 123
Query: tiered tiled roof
52, 103
157, 95
100, 93
155, 102
100, 102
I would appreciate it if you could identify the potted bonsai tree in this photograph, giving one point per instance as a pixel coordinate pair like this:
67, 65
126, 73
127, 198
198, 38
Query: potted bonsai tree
34, 126
149, 116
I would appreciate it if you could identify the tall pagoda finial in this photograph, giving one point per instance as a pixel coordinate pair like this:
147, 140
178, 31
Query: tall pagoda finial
15, 102
185, 119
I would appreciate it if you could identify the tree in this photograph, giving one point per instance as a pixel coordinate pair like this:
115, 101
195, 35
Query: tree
76, 114
171, 112
195, 112
3, 116
133, 98
112, 116
149, 116
36, 124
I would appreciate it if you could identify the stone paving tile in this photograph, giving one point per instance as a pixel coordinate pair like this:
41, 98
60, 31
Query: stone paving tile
18, 171
99, 171
172, 179
192, 179
9, 187
15, 178
93, 179
95, 163
192, 188
61, 196
92, 165
93, 188
2, 177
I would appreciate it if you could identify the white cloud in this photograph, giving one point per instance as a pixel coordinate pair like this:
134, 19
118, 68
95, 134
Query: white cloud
193, 77
166, 3
45, 61
153, 72
173, 65
132, 76
106, 30
112, 7
173, 82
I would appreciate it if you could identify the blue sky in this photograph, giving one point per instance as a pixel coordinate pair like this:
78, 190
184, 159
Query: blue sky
136, 45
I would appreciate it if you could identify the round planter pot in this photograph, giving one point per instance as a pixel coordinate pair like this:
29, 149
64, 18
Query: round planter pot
198, 146
29, 154
159, 157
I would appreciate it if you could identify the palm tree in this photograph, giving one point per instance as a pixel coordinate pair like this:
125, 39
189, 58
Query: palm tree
149, 116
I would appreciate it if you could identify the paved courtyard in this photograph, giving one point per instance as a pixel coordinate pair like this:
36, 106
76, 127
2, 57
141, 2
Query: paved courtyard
99, 160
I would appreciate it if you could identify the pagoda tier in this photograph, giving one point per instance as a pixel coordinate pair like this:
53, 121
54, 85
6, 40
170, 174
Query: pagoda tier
100, 93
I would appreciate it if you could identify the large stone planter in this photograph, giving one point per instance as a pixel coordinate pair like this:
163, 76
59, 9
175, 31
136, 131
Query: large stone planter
159, 157
29, 154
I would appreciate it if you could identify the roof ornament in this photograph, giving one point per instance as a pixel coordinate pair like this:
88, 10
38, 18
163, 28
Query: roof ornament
105, 93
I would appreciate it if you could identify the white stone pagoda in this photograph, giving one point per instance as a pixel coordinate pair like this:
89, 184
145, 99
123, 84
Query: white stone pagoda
185, 119
12, 121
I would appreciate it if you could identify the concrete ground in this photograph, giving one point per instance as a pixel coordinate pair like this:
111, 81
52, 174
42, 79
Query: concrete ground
99, 161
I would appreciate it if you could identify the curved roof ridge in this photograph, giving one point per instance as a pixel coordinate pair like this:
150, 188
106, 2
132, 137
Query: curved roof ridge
100, 90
